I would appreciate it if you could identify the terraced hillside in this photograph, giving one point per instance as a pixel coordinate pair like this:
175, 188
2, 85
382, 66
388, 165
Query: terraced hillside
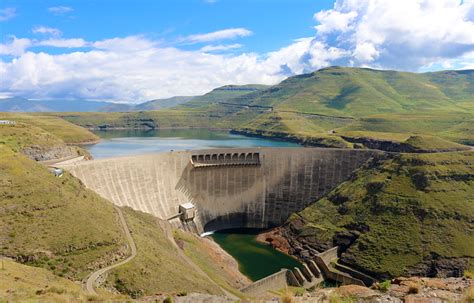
340, 102
405, 215
333, 107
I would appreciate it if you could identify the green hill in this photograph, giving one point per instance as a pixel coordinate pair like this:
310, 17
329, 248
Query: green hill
62, 129
404, 215
328, 107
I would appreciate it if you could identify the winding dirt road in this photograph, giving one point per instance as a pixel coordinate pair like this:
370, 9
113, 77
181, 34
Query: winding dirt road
90, 282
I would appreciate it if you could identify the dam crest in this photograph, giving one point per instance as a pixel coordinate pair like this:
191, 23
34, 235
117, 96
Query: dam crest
229, 188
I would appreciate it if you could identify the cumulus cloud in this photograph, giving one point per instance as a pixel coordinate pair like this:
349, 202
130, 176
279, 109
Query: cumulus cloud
404, 34
46, 30
59, 10
15, 47
229, 33
7, 13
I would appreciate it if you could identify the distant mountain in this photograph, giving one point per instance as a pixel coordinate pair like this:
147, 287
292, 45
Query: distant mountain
224, 94
25, 105
163, 103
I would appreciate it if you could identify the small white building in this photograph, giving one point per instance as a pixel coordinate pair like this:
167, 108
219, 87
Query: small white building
187, 211
7, 122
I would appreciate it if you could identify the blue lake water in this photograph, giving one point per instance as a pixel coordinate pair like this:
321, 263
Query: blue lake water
116, 143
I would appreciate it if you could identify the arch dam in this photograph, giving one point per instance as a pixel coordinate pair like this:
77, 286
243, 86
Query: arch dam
224, 188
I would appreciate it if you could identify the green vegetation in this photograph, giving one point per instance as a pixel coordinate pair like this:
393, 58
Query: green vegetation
159, 265
409, 214
66, 131
54, 223
329, 107
36, 143
30, 284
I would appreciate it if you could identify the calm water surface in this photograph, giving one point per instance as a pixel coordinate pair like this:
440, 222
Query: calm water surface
133, 142
256, 260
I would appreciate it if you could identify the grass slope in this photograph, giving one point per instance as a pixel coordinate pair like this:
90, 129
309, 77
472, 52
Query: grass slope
55, 223
406, 215
324, 106
36, 143
64, 130
158, 266
22, 283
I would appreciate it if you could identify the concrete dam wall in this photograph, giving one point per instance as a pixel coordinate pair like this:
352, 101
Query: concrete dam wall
229, 188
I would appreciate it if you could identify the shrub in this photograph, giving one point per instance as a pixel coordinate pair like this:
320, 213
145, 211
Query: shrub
384, 286
299, 292
168, 300
374, 187
420, 180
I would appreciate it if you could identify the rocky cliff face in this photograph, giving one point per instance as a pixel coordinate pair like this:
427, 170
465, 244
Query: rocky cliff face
41, 153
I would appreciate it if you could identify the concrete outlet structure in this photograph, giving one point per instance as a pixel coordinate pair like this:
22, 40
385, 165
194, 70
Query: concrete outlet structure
228, 188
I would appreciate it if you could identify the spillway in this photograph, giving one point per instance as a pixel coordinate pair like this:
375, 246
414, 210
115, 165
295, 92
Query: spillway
229, 188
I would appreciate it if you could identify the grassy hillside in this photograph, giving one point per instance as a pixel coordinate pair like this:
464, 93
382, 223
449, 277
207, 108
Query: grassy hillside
393, 103
64, 130
405, 215
360, 92
22, 283
36, 143
158, 267
54, 223
324, 108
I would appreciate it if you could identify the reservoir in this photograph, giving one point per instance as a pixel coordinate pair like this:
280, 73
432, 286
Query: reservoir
256, 260
116, 143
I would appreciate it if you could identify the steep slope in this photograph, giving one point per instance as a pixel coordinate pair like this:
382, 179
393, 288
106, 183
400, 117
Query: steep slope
55, 223
360, 92
405, 215
36, 143
62, 129
22, 283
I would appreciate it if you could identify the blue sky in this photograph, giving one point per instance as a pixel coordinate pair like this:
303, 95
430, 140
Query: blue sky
133, 51
274, 23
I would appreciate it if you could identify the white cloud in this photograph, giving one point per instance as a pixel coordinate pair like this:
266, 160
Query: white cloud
63, 43
403, 34
15, 47
127, 44
59, 10
220, 47
7, 13
331, 21
229, 33
46, 30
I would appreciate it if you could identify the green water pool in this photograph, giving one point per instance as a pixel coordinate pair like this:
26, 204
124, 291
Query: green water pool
256, 260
